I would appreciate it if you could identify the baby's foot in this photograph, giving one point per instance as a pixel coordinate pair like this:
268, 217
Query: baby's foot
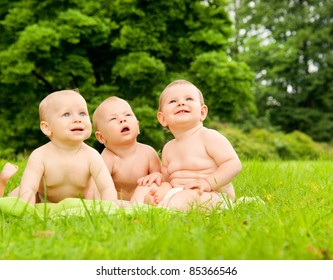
150, 199
7, 172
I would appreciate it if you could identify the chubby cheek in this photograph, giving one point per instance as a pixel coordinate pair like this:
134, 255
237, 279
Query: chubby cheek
88, 132
137, 130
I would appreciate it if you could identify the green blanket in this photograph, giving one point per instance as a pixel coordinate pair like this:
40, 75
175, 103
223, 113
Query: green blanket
81, 207
67, 207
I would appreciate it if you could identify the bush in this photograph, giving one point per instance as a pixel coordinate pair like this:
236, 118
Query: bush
266, 145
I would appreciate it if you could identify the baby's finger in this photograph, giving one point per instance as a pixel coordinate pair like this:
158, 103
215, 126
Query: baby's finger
150, 181
158, 181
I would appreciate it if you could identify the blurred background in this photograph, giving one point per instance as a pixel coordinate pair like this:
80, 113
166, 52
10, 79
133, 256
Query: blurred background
265, 67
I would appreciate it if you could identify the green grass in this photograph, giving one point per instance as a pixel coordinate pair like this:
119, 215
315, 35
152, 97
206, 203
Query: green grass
295, 223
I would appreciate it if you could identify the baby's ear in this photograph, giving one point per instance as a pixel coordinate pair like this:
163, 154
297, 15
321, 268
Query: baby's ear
45, 128
161, 119
100, 137
204, 112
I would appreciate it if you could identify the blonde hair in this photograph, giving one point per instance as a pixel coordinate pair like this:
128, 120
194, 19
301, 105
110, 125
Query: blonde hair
46, 102
179, 82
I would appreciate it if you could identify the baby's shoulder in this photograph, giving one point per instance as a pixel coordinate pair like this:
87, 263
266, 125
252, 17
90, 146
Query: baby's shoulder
170, 145
145, 149
209, 132
89, 151
43, 151
209, 135
144, 146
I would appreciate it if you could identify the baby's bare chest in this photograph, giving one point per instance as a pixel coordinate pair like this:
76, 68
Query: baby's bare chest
64, 171
126, 172
189, 156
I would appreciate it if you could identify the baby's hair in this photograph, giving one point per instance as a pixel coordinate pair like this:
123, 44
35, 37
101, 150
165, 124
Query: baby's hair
97, 113
180, 82
45, 102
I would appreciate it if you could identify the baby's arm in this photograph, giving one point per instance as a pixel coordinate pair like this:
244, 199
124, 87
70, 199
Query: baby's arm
102, 177
229, 165
158, 192
154, 170
31, 177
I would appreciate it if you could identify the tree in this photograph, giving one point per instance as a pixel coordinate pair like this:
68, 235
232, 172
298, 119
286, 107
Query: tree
129, 48
289, 45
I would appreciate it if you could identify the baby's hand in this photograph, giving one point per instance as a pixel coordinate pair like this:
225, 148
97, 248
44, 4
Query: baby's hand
155, 177
200, 184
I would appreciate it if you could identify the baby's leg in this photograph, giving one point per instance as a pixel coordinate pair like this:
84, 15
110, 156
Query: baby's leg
7, 172
229, 191
213, 200
183, 200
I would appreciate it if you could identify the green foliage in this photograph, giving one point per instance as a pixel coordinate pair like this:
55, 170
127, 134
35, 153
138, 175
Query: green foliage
225, 84
288, 44
136, 73
150, 129
266, 145
127, 48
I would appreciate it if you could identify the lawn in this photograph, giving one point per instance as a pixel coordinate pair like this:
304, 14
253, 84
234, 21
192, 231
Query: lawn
295, 223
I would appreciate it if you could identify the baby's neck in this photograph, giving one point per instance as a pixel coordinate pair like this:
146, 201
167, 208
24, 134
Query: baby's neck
124, 150
182, 134
67, 147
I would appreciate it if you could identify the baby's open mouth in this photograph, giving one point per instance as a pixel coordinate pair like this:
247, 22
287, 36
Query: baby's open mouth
125, 129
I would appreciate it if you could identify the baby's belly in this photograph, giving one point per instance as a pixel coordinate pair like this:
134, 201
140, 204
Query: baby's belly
180, 178
56, 194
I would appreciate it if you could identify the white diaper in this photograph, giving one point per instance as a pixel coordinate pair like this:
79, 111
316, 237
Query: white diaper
226, 202
172, 192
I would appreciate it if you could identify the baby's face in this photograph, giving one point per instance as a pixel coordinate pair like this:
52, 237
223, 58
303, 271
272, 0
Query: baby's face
181, 104
117, 122
67, 117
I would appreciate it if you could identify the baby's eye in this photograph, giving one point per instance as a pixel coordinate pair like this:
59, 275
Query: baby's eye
83, 114
128, 115
189, 99
66, 115
172, 101
113, 119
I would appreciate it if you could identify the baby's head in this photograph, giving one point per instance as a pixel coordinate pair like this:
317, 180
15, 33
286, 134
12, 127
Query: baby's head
65, 110
114, 122
181, 84
57, 100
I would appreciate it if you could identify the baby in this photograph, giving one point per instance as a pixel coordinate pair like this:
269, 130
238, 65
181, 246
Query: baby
65, 165
128, 161
199, 164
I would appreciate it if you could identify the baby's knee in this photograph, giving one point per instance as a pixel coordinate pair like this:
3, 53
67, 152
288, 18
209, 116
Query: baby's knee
229, 191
